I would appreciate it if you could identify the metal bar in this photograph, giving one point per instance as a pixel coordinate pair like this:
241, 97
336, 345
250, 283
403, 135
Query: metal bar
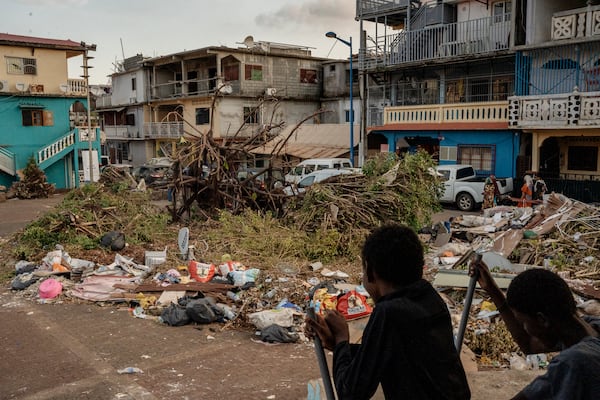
322, 361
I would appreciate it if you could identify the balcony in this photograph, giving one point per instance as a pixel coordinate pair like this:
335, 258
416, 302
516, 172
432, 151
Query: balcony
76, 87
566, 111
439, 42
577, 23
484, 114
103, 101
163, 130
122, 132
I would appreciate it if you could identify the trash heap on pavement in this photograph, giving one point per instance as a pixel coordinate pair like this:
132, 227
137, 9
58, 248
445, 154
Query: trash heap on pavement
561, 234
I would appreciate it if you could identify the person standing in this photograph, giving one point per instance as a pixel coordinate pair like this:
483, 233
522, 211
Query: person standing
407, 345
526, 192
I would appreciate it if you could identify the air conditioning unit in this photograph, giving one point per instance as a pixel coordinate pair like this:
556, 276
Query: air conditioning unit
3, 86
270, 91
21, 87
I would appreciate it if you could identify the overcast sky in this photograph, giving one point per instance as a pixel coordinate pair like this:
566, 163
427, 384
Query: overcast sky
159, 27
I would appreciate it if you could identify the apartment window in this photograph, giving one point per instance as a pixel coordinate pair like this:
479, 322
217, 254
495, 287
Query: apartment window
21, 66
202, 116
332, 68
33, 117
501, 11
133, 84
231, 72
253, 72
482, 158
130, 119
354, 75
308, 75
583, 158
251, 115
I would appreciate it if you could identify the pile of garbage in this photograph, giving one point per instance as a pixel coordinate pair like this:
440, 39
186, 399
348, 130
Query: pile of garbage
561, 235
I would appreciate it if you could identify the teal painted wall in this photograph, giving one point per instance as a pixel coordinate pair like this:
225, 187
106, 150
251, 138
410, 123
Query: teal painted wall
26, 141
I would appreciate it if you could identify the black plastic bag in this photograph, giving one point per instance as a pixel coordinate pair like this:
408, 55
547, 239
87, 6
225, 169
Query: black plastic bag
175, 315
113, 240
277, 334
203, 311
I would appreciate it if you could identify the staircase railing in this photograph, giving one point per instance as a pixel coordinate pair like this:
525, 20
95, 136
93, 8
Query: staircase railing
45, 155
7, 162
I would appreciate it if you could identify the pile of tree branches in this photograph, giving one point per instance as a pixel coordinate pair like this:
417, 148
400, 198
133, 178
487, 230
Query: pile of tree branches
32, 183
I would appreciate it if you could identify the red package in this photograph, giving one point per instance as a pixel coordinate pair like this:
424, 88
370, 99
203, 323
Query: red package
353, 305
201, 272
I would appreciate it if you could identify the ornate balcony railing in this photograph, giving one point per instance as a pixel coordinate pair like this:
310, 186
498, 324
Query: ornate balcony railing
577, 23
76, 87
476, 113
567, 110
122, 132
163, 130
55, 148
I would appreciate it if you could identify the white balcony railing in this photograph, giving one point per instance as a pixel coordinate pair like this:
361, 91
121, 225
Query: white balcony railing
577, 23
54, 148
7, 161
104, 101
163, 130
565, 110
76, 87
475, 113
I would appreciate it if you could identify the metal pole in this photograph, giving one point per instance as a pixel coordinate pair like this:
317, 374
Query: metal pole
323, 368
86, 76
351, 108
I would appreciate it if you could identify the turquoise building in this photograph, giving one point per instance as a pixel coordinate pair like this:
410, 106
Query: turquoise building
43, 113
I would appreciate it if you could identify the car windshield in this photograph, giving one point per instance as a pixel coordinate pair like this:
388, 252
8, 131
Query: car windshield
306, 182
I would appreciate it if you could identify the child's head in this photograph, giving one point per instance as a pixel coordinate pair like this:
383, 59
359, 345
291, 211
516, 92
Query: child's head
394, 254
541, 300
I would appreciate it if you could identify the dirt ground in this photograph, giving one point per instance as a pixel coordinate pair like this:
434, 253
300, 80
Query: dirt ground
73, 351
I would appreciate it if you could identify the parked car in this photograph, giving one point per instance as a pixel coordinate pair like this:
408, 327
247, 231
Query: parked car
160, 161
464, 188
150, 173
315, 177
315, 164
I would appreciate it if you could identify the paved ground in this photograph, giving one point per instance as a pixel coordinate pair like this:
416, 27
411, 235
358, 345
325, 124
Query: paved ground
73, 351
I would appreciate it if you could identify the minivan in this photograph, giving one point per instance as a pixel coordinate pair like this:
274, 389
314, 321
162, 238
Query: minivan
316, 177
304, 168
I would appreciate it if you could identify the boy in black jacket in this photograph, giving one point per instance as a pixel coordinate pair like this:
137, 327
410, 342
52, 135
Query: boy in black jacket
407, 345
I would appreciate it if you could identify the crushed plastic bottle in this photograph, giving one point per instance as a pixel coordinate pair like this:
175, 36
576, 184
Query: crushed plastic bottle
130, 370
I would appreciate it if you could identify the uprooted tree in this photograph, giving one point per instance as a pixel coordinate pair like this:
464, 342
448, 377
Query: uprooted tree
391, 188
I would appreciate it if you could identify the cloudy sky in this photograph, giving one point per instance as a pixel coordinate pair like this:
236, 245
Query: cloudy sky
158, 27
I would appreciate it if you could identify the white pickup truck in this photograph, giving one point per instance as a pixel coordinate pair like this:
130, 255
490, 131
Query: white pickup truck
464, 188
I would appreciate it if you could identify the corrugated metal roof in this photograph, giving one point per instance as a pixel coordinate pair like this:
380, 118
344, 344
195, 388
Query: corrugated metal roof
313, 141
30, 40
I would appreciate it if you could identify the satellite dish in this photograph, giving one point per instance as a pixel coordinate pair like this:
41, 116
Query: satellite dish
183, 241
249, 41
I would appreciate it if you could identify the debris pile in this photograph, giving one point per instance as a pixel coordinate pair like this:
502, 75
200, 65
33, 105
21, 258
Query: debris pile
561, 234
32, 183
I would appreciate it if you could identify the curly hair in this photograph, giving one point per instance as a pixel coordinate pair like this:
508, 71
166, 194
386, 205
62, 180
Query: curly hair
541, 291
395, 253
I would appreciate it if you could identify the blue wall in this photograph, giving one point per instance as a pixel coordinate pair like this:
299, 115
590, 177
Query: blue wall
506, 142
26, 141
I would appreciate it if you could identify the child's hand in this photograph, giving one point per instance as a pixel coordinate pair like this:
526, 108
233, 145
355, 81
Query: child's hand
338, 326
320, 328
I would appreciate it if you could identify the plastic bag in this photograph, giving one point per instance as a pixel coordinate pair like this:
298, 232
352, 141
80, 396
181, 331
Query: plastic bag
283, 317
201, 272
203, 311
277, 334
175, 315
113, 240
240, 278
353, 305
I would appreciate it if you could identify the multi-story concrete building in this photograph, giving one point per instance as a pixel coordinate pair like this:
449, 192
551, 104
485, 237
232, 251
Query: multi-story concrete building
557, 93
157, 101
43, 112
437, 76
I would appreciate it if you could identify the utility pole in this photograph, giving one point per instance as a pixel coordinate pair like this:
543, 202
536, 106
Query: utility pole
86, 76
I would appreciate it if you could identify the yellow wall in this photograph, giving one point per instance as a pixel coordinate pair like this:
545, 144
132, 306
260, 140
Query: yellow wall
52, 68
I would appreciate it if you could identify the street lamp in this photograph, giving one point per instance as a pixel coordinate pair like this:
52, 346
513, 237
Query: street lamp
348, 43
